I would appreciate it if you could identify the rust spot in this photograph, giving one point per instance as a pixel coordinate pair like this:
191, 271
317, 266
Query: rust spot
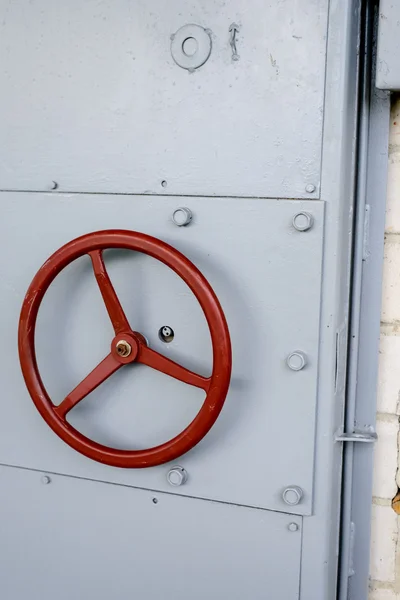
395, 123
396, 503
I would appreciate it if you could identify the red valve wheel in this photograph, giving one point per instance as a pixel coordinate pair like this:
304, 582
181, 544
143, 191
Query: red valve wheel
127, 347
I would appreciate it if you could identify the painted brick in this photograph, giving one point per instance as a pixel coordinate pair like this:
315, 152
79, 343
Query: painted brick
394, 133
385, 459
391, 280
384, 519
393, 191
383, 543
389, 374
382, 594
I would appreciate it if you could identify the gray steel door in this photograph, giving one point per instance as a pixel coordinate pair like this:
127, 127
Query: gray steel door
129, 115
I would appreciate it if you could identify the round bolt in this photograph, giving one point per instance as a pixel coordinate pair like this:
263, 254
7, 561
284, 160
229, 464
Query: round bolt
45, 480
182, 216
296, 360
293, 527
292, 495
303, 221
310, 188
177, 476
123, 348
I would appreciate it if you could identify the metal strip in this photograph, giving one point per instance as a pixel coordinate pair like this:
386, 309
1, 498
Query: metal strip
365, 324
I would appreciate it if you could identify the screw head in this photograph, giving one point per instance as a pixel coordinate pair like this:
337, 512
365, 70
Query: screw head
123, 348
45, 480
292, 495
182, 216
177, 476
310, 188
296, 361
293, 527
303, 221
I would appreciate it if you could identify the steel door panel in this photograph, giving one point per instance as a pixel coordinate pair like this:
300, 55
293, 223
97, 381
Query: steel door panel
83, 539
267, 276
92, 99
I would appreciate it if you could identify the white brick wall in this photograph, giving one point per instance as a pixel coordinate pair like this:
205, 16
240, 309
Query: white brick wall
385, 543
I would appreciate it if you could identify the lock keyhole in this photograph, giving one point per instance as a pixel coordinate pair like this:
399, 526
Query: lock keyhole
166, 334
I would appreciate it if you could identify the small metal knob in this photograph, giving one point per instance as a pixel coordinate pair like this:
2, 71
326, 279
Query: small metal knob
182, 216
303, 221
292, 495
296, 360
177, 476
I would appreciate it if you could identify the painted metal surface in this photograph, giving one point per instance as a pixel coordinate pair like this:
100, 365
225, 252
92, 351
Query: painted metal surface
367, 297
269, 292
231, 162
387, 64
320, 548
127, 347
103, 541
93, 100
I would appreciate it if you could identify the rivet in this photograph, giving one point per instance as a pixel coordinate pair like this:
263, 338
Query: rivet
46, 479
310, 188
302, 221
182, 216
54, 185
293, 527
296, 360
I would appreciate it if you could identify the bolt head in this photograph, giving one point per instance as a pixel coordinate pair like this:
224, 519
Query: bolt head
45, 480
182, 216
310, 188
123, 348
177, 476
296, 361
302, 221
292, 495
293, 527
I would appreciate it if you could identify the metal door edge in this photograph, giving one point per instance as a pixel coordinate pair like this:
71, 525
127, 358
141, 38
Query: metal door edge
365, 311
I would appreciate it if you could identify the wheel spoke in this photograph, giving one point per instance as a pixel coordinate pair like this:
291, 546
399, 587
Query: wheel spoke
169, 367
113, 305
103, 371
